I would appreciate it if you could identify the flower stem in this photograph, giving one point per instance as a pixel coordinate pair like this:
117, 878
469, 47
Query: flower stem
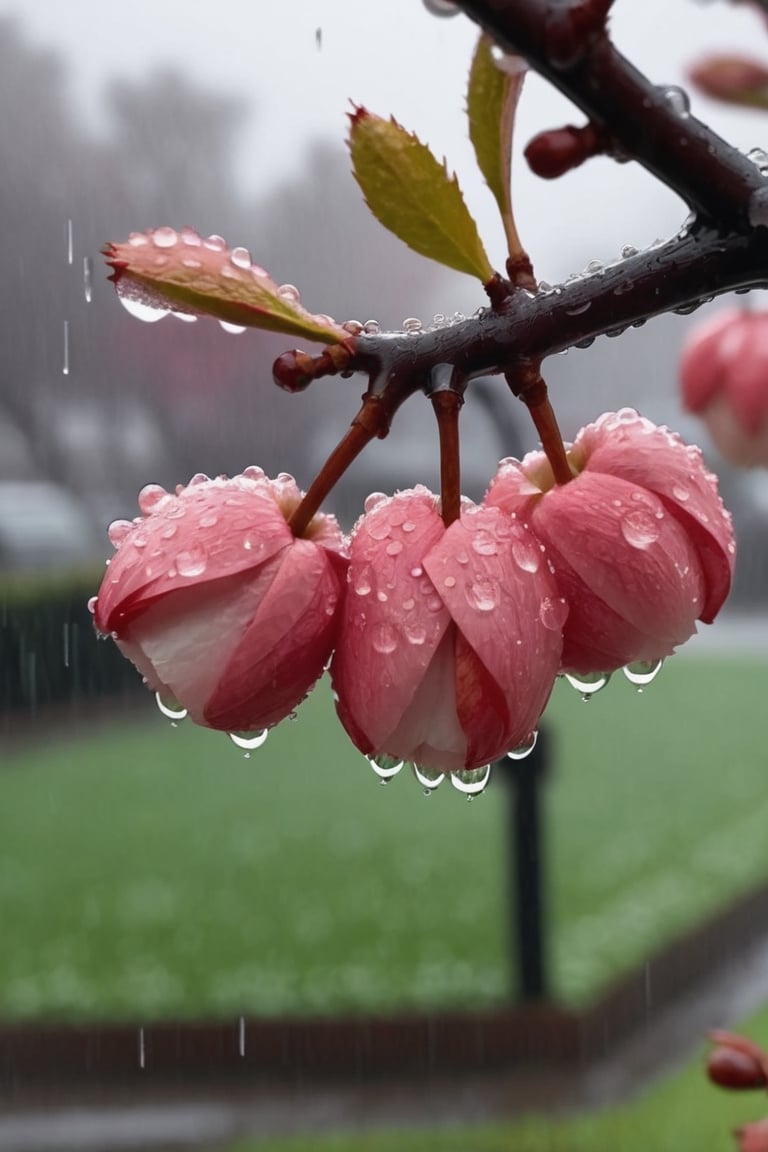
371, 421
447, 405
528, 385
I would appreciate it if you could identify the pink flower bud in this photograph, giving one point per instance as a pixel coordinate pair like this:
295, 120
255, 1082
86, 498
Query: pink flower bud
450, 638
753, 1137
724, 377
733, 79
218, 605
640, 541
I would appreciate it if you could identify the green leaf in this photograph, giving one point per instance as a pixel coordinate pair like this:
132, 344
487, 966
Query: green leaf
412, 194
166, 269
492, 98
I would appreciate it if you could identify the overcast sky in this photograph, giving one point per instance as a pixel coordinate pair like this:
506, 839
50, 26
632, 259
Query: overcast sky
298, 62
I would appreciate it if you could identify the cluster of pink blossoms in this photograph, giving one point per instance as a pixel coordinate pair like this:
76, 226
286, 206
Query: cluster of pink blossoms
444, 642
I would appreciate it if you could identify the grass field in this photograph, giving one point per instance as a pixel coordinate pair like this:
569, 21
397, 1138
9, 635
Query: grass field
154, 872
683, 1114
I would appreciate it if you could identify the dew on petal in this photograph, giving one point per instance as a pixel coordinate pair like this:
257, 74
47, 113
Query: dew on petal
680, 493
415, 635
117, 531
482, 594
361, 581
191, 562
215, 243
553, 612
484, 544
150, 497
394, 548
165, 237
526, 556
416, 572
240, 257
640, 529
384, 638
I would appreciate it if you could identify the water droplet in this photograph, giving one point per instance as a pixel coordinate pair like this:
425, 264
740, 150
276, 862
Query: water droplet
412, 325
384, 638
482, 594
70, 243
354, 327
415, 634
471, 781
289, 293
384, 766
526, 556
676, 100
372, 327
142, 1052
215, 243
450, 581
191, 562
680, 493
88, 278
588, 682
640, 528
642, 672
190, 237
553, 612
249, 741
429, 778
150, 497
92, 604
170, 706
361, 581
484, 544
578, 309
117, 531
149, 313
394, 548
241, 1036
233, 329
165, 237
628, 251
525, 748
416, 572
240, 257
593, 267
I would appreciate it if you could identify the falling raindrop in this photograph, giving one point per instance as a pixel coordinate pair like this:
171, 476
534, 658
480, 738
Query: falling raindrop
170, 707
65, 364
241, 1036
641, 672
65, 643
88, 278
142, 1053
525, 748
588, 682
385, 767
249, 741
471, 781
429, 778
70, 243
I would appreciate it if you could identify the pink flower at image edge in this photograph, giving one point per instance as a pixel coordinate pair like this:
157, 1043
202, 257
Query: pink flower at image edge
218, 605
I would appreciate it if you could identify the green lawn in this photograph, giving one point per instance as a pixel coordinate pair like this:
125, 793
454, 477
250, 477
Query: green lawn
155, 872
683, 1114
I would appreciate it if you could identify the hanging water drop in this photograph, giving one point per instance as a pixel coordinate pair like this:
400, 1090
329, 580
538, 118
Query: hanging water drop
471, 781
588, 682
525, 748
642, 672
170, 707
429, 778
233, 329
249, 741
385, 767
150, 314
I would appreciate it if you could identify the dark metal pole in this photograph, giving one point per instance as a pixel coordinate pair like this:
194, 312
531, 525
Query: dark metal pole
527, 846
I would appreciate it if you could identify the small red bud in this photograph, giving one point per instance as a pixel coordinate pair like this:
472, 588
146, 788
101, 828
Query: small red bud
733, 79
734, 1069
556, 151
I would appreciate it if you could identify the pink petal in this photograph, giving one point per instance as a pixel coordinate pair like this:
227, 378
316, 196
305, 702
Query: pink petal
184, 641
208, 532
737, 446
283, 650
628, 551
493, 577
701, 366
393, 620
625, 445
